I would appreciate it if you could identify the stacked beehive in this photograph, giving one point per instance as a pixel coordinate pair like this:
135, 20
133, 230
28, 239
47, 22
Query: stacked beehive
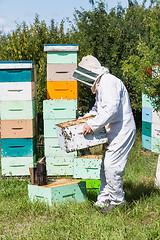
18, 114
150, 125
61, 104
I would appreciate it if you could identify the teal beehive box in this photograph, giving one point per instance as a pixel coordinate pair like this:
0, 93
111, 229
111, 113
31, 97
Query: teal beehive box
18, 147
17, 71
61, 190
146, 128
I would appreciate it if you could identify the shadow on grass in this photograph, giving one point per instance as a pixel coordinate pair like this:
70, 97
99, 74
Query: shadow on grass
132, 192
92, 195
135, 192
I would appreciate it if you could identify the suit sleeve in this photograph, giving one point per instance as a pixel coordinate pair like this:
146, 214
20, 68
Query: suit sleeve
109, 100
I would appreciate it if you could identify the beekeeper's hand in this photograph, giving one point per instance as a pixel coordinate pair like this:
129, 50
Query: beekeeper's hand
86, 129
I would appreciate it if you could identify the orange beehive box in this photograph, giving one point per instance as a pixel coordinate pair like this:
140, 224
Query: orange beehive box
18, 128
62, 90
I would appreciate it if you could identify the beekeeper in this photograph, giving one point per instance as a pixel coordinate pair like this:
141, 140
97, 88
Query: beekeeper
111, 110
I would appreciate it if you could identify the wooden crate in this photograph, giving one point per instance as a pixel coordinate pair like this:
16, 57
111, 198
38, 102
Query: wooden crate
61, 190
63, 109
17, 166
52, 148
18, 147
59, 166
60, 72
62, 90
15, 110
87, 167
146, 114
20, 91
146, 128
18, 128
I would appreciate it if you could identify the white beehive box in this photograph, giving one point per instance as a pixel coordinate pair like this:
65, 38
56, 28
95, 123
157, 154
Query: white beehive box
71, 138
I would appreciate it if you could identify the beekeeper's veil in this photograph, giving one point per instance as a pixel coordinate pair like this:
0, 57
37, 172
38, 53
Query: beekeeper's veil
89, 72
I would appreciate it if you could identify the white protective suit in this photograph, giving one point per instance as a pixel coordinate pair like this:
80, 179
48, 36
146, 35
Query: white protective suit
112, 109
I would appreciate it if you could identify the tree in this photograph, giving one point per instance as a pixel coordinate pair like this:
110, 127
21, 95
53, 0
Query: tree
142, 67
111, 37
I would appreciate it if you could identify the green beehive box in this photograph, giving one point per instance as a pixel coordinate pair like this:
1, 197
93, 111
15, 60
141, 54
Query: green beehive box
17, 166
52, 148
59, 166
87, 167
61, 190
57, 108
49, 126
13, 110
61, 57
146, 101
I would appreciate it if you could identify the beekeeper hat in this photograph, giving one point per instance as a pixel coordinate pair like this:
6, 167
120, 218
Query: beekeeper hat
89, 71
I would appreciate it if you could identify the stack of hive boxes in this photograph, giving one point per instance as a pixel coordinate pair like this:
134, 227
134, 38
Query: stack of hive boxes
61, 104
150, 125
18, 114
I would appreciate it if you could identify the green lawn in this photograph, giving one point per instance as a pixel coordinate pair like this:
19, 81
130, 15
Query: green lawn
139, 219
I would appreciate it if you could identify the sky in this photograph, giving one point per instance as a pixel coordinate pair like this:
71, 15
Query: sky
14, 12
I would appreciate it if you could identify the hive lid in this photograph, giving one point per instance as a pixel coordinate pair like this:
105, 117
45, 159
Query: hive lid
17, 65
61, 48
60, 182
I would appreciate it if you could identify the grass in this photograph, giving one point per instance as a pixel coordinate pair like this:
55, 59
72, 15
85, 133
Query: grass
139, 219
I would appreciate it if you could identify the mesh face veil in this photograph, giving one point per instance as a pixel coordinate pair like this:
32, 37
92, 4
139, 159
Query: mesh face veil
89, 71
